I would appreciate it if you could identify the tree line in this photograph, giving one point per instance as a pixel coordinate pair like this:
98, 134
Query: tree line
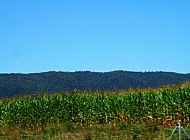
15, 84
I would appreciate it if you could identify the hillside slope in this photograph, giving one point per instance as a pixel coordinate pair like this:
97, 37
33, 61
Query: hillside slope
17, 84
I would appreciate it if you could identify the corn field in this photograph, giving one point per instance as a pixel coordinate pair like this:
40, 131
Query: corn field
163, 107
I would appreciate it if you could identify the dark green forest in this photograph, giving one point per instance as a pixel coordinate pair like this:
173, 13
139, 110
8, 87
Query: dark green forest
16, 84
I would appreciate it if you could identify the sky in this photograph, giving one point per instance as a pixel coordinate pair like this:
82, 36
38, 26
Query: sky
94, 35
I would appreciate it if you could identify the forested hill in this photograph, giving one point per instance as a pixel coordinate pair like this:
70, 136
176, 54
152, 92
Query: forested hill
19, 84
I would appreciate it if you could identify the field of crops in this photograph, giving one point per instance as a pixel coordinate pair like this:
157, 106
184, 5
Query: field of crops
162, 107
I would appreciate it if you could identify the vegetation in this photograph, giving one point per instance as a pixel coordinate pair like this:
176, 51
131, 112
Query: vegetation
95, 132
12, 85
128, 115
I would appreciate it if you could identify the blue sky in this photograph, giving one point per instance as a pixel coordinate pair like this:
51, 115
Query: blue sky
94, 35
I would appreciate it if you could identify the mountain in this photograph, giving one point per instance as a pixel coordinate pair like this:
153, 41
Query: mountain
15, 84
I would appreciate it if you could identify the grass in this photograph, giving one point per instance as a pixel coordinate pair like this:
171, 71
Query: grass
69, 131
